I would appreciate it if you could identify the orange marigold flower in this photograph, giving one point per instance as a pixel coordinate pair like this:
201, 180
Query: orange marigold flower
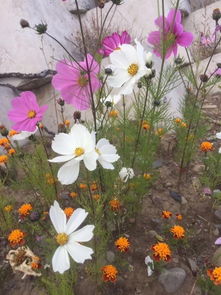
206, 146
177, 120
4, 141
16, 237
96, 197
113, 114
109, 273
94, 186
215, 275
178, 231
160, 131
161, 251
8, 208
179, 217
147, 176
68, 211
12, 132
11, 151
82, 186
115, 204
183, 124
166, 214
122, 244
73, 195
3, 159
145, 125
67, 123
25, 209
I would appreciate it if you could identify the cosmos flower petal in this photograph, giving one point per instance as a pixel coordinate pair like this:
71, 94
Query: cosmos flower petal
79, 253
185, 39
58, 217
62, 144
75, 220
105, 164
61, 159
84, 234
60, 260
68, 173
90, 160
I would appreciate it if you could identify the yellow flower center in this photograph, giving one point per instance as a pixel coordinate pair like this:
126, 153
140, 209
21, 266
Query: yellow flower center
31, 114
79, 151
98, 152
133, 69
62, 239
82, 81
118, 48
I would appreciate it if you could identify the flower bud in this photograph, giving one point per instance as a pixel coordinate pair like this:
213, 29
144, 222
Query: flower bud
60, 101
24, 23
101, 3
108, 104
77, 116
178, 61
218, 65
149, 61
34, 216
41, 28
108, 71
139, 85
156, 103
4, 131
117, 2
204, 78
216, 14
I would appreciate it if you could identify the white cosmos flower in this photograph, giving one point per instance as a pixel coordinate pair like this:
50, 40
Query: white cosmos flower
73, 147
69, 239
128, 66
126, 173
23, 135
107, 152
114, 99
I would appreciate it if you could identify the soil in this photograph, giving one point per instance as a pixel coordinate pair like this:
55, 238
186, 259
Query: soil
198, 220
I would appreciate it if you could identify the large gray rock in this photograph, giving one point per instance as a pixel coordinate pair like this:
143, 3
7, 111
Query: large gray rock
172, 279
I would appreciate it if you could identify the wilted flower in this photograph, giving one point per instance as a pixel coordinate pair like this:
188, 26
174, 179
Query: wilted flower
112, 42
215, 275
128, 65
122, 244
178, 231
69, 239
109, 273
170, 35
73, 81
126, 173
150, 265
8, 208
74, 147
26, 112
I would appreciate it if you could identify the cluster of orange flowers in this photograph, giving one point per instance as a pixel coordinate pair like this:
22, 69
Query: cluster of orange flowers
68, 211
180, 122
168, 214
113, 114
145, 125
161, 251
6, 145
25, 209
16, 238
115, 204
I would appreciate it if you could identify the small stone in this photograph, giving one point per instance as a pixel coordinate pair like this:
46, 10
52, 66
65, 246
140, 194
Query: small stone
193, 266
157, 164
216, 260
177, 197
199, 168
168, 184
110, 256
183, 201
217, 213
216, 232
172, 279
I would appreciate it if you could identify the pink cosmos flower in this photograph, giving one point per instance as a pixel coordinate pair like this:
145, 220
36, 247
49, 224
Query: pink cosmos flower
111, 43
26, 112
73, 82
170, 33
207, 40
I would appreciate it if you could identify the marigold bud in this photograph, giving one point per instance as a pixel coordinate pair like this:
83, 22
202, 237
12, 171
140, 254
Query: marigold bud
60, 101
108, 71
216, 14
77, 116
24, 23
204, 78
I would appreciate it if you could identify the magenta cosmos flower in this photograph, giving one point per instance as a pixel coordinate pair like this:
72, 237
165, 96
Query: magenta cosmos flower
26, 112
72, 81
111, 43
170, 33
